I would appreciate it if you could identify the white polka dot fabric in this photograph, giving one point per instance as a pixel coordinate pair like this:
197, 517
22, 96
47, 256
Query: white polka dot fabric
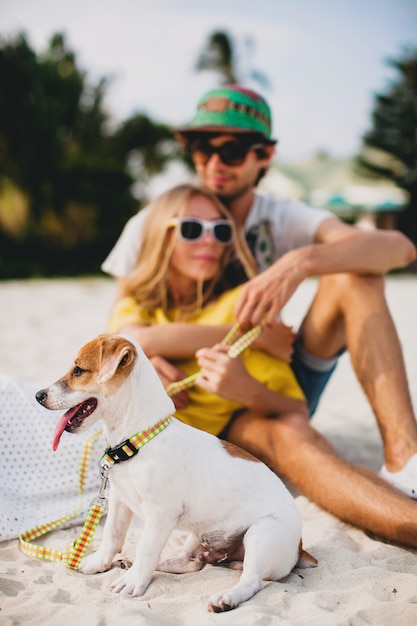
37, 484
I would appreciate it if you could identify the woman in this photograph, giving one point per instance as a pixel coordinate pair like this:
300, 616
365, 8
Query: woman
181, 297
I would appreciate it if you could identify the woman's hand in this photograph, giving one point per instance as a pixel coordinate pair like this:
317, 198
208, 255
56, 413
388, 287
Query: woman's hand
168, 373
228, 377
225, 376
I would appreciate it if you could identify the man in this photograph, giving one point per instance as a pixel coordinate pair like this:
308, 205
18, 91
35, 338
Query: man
229, 141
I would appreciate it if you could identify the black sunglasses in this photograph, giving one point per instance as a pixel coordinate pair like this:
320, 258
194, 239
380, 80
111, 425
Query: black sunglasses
231, 153
194, 229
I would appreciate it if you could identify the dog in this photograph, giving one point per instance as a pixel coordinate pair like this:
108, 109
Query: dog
237, 511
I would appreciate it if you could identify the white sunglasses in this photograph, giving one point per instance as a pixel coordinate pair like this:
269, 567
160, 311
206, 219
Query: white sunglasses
193, 229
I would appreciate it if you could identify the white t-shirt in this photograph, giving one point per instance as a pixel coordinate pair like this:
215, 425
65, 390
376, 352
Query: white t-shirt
273, 227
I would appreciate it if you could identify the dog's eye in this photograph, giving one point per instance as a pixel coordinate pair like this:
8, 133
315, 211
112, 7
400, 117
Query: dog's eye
77, 371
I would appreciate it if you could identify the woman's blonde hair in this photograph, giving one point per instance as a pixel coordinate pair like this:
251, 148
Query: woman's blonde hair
149, 281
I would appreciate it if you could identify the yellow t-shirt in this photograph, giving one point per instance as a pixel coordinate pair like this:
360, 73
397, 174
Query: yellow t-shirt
205, 410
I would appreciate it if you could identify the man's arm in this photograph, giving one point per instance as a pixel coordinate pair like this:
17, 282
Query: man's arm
337, 248
373, 252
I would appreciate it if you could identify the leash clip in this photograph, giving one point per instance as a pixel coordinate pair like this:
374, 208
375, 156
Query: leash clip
101, 499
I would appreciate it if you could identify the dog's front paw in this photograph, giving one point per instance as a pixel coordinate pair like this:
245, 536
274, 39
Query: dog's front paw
220, 602
93, 564
129, 584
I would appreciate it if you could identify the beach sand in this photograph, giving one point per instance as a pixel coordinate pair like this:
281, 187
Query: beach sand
358, 580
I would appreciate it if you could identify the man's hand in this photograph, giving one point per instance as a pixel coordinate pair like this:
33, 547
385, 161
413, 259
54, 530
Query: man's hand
168, 373
269, 292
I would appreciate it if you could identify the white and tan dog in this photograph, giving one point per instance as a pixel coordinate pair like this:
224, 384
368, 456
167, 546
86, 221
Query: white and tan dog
235, 509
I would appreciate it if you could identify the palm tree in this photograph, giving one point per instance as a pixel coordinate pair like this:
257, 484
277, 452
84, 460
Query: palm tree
220, 55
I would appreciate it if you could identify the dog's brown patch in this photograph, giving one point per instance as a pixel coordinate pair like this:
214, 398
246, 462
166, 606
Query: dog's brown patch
234, 450
106, 360
117, 359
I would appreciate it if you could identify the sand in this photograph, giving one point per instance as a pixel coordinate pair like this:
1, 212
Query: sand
358, 580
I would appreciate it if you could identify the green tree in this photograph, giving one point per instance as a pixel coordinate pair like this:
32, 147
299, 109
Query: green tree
57, 149
390, 146
220, 54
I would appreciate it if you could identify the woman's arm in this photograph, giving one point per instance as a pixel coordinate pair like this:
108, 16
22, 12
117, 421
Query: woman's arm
170, 340
181, 340
175, 340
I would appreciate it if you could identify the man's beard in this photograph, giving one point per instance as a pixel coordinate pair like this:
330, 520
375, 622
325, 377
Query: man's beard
226, 199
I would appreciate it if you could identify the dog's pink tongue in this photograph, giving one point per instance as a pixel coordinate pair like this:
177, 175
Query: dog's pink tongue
60, 427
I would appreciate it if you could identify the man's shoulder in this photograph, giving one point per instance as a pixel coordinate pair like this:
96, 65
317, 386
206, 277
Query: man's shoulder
122, 258
268, 207
138, 218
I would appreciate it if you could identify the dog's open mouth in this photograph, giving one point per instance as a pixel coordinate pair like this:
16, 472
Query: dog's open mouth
72, 419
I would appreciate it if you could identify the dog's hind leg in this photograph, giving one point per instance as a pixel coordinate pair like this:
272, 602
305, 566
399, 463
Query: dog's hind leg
250, 583
186, 561
271, 551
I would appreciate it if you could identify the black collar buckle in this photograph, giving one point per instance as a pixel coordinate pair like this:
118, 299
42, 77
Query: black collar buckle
117, 454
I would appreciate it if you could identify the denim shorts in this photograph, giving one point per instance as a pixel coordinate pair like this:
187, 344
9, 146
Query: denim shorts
312, 373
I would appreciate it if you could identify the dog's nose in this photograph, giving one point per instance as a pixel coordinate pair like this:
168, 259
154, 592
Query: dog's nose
41, 396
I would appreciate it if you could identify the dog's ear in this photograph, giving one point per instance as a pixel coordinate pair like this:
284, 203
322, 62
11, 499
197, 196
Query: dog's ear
115, 352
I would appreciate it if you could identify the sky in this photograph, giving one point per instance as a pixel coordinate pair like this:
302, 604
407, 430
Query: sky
325, 59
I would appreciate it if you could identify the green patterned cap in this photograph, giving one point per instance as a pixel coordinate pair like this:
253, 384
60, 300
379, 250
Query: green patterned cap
231, 108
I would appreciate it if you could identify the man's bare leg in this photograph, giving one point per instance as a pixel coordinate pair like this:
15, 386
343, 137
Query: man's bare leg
351, 311
294, 450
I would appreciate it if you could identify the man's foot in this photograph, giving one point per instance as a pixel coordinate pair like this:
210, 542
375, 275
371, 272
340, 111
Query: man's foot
405, 480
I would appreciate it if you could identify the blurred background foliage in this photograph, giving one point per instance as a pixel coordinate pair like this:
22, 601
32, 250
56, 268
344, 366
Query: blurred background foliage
66, 174
69, 177
390, 145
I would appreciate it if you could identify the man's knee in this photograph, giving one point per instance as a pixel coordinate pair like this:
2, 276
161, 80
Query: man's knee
339, 297
342, 286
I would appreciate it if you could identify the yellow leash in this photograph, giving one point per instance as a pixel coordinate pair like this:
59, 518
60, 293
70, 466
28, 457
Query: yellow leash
74, 553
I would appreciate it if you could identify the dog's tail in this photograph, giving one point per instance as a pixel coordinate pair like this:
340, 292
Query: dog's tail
305, 559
